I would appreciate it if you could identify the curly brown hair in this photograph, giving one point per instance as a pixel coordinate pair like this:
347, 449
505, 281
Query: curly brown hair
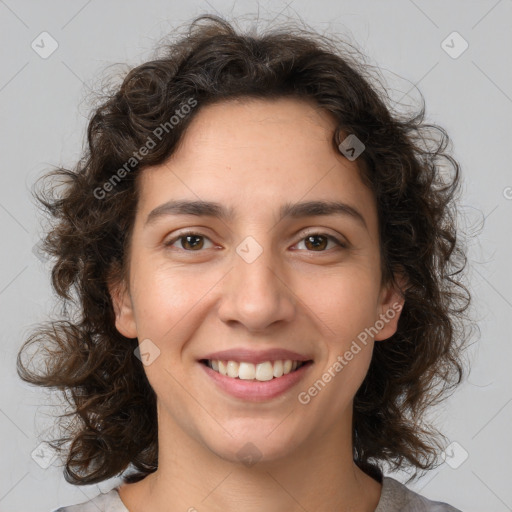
406, 164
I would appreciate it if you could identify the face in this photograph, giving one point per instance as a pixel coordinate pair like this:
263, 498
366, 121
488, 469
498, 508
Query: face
243, 283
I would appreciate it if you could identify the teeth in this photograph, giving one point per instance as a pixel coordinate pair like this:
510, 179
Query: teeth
249, 371
278, 368
233, 369
264, 371
246, 371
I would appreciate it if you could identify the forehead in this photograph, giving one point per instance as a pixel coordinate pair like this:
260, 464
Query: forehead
241, 124
257, 154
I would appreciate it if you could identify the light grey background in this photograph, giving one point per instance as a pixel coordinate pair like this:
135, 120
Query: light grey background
43, 117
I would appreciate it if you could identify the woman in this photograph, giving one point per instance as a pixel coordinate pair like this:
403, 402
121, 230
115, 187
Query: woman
268, 280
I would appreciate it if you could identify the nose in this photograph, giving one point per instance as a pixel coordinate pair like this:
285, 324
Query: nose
257, 294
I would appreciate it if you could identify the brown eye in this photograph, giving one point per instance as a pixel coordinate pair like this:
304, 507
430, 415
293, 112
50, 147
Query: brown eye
191, 242
318, 242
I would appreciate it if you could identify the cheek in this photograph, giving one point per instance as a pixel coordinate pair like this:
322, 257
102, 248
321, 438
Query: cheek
344, 301
167, 296
349, 307
173, 297
331, 392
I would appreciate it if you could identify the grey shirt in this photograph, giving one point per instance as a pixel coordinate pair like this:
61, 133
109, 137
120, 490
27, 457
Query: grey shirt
395, 497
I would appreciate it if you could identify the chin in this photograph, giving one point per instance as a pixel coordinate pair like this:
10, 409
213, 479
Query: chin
255, 444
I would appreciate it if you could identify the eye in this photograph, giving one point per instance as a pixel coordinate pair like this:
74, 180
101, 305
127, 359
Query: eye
193, 242
317, 242
190, 241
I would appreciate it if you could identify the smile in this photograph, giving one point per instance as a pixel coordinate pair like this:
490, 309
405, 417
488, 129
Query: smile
255, 381
264, 371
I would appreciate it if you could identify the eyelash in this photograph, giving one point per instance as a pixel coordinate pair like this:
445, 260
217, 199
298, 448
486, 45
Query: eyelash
184, 234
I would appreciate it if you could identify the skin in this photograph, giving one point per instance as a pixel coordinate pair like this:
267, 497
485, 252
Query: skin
253, 156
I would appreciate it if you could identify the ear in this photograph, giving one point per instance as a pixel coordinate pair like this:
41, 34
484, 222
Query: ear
391, 303
123, 308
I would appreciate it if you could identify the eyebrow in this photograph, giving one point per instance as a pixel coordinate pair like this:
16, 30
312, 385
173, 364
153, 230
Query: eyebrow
219, 211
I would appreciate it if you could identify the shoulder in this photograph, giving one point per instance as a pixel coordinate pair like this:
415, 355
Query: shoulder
105, 502
396, 496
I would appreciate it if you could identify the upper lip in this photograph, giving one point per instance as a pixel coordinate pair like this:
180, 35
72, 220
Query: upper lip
256, 356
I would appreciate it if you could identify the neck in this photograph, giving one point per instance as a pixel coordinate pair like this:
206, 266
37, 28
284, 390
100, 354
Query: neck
319, 475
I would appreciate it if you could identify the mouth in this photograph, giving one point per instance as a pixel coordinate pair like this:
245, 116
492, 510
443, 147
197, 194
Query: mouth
248, 371
256, 377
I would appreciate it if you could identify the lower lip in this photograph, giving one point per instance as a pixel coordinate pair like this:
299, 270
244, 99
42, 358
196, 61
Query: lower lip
255, 390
